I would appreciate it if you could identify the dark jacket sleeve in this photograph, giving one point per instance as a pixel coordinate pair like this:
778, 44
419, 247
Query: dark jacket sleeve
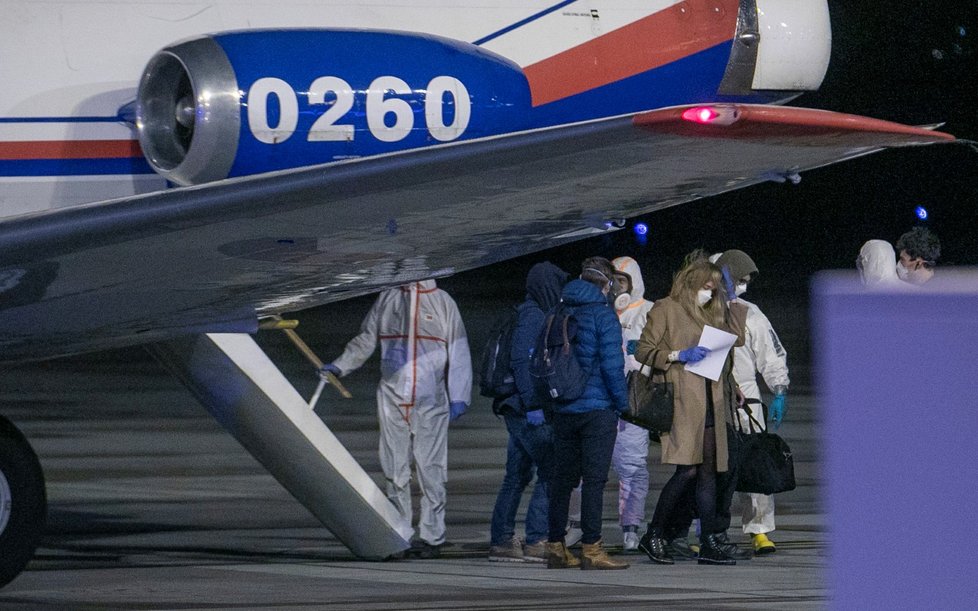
528, 326
611, 359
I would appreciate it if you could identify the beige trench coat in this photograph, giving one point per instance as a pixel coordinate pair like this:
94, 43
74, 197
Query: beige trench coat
670, 328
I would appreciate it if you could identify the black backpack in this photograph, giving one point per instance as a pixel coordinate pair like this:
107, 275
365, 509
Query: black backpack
495, 375
557, 374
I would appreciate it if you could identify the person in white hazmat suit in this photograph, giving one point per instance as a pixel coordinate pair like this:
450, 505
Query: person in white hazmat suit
762, 353
877, 265
630, 456
426, 381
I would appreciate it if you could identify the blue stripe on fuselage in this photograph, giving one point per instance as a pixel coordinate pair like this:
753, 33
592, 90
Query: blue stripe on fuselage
523, 22
73, 167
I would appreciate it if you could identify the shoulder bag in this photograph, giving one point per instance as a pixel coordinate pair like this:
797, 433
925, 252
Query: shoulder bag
650, 401
766, 465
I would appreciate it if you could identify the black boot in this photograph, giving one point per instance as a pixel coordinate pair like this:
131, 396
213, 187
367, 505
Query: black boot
679, 549
731, 549
654, 546
711, 552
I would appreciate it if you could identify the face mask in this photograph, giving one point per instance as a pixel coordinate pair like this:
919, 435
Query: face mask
622, 301
741, 289
703, 296
902, 272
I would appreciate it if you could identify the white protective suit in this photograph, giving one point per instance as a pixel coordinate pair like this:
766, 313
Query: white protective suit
424, 364
630, 457
762, 353
877, 264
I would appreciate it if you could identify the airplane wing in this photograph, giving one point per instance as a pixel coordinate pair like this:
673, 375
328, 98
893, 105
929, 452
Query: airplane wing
219, 256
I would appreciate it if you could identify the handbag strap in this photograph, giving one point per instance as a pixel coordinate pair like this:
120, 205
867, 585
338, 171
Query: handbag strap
751, 421
652, 371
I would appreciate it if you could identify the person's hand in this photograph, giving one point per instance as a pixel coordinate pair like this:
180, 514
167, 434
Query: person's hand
535, 418
330, 368
741, 399
728, 283
455, 410
777, 410
693, 354
630, 346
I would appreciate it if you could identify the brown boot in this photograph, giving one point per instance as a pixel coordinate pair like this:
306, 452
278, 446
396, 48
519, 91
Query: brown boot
595, 558
559, 557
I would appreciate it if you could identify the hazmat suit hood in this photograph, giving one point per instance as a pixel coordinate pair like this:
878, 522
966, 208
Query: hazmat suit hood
877, 263
628, 265
544, 284
424, 286
739, 264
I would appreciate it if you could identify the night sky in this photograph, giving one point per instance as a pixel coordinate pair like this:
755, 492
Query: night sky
904, 61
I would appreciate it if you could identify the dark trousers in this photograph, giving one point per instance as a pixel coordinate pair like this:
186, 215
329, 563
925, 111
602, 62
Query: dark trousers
680, 521
530, 449
583, 444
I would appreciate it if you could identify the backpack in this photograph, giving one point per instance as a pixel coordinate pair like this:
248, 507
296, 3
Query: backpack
557, 374
495, 375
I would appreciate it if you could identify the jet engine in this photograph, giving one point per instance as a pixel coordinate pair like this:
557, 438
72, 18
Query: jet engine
241, 103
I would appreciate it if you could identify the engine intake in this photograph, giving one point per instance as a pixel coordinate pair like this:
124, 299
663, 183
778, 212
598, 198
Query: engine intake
188, 112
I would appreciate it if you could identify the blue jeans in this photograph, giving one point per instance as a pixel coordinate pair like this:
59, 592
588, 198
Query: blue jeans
529, 447
583, 444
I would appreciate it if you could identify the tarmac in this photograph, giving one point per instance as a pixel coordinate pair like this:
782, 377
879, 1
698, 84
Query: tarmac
152, 505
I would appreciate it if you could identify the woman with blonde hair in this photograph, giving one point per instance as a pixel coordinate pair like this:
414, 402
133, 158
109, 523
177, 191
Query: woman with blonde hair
702, 294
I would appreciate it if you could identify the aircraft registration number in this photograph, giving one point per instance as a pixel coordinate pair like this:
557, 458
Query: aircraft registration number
446, 101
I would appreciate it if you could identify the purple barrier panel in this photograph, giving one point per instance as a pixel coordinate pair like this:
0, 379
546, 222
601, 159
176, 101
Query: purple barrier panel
897, 374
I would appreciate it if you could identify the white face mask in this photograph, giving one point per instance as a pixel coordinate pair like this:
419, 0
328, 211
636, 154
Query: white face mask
902, 272
622, 301
703, 296
741, 289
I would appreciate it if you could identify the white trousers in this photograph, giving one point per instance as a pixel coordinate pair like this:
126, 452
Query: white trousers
630, 460
757, 510
421, 433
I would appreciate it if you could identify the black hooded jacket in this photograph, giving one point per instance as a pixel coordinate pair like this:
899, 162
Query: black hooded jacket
543, 286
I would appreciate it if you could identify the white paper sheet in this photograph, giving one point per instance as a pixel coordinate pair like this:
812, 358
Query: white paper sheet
719, 343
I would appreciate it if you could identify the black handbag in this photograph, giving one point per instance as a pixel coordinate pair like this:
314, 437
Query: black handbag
765, 463
650, 402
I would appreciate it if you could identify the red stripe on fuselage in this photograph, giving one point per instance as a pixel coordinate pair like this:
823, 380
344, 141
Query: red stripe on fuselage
69, 149
681, 30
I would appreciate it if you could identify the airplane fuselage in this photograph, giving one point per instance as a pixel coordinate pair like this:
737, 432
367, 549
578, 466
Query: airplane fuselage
242, 88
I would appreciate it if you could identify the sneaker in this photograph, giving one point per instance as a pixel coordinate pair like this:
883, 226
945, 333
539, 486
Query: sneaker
630, 541
510, 552
537, 552
574, 534
763, 545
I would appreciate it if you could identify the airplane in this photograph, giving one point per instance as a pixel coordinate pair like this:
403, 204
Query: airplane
173, 174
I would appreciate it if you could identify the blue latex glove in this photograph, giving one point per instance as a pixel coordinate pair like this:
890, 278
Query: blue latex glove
331, 368
776, 410
455, 410
693, 354
630, 346
728, 283
535, 418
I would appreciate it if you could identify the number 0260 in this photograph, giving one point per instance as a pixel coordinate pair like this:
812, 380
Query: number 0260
389, 118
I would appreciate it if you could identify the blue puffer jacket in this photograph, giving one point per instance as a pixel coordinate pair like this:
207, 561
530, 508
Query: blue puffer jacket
598, 349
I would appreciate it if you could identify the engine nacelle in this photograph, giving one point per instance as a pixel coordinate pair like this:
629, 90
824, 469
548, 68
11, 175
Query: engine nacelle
242, 103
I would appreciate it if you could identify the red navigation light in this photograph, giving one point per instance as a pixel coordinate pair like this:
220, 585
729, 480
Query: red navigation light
700, 114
